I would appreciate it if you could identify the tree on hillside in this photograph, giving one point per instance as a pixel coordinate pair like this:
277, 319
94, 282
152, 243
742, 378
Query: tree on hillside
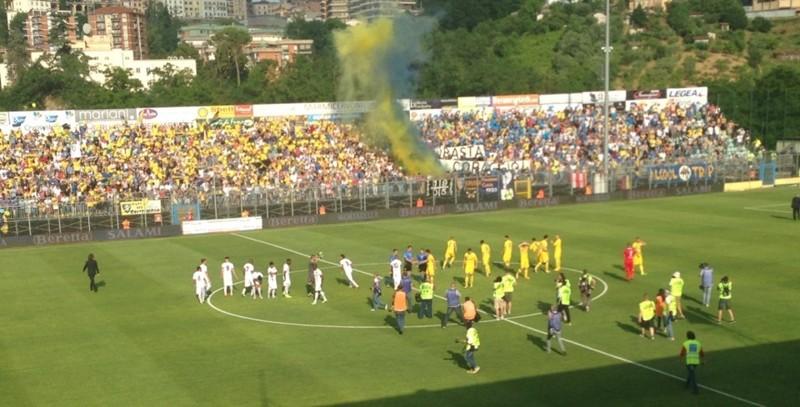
57, 37
321, 32
162, 29
119, 80
17, 51
678, 17
3, 25
229, 57
639, 17
468, 14
733, 13
761, 24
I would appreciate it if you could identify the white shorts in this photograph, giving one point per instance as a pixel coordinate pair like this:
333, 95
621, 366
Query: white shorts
318, 287
349, 274
227, 281
272, 284
200, 290
396, 282
287, 283
248, 283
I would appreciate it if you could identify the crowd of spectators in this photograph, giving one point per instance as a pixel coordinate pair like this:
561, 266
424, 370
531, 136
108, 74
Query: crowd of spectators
573, 138
93, 164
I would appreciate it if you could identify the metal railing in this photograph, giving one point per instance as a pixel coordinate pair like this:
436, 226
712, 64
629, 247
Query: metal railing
33, 217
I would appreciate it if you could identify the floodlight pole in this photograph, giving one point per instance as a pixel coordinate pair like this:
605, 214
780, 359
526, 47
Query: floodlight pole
607, 51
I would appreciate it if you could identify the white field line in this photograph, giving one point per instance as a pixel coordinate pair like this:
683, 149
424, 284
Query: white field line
768, 210
578, 344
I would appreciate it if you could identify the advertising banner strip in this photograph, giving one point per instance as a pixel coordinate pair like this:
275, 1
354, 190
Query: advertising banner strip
197, 227
143, 207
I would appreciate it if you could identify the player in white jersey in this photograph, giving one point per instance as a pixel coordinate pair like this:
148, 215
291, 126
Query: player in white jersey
272, 280
397, 271
287, 277
347, 266
248, 278
204, 269
201, 284
227, 271
258, 277
318, 287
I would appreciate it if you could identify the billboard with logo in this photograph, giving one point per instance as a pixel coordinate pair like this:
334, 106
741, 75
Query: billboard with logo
675, 174
105, 116
164, 115
41, 120
590, 98
688, 95
225, 112
515, 101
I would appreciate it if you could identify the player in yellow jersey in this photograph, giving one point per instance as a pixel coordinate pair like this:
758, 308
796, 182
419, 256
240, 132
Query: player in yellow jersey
450, 252
524, 261
543, 256
638, 255
486, 258
431, 269
470, 264
557, 252
508, 249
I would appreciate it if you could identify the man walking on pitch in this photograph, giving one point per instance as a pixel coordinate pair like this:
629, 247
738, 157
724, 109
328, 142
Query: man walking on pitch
312, 265
473, 342
227, 272
497, 295
725, 288
453, 298
647, 312
347, 267
426, 300
318, 287
692, 354
554, 328
200, 284
470, 264
377, 291
508, 249
706, 282
509, 282
92, 269
287, 277
627, 260
796, 207
564, 300
486, 258
586, 285
676, 288
400, 307
248, 278
557, 252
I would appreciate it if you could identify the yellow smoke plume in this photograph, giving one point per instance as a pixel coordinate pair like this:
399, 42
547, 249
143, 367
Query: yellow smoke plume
375, 59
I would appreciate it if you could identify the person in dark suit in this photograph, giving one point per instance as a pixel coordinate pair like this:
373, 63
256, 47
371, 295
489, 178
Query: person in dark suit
92, 269
796, 207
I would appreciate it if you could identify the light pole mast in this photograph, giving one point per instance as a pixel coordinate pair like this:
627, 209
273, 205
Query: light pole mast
607, 51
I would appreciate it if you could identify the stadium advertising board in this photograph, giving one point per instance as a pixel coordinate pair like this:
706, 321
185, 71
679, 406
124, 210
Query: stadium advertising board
670, 174
41, 120
562, 99
141, 207
165, 115
473, 102
423, 114
312, 109
287, 221
515, 101
60, 238
486, 187
357, 216
225, 112
599, 96
476, 207
440, 187
538, 203
688, 95
105, 115
137, 233
647, 94
424, 211
197, 227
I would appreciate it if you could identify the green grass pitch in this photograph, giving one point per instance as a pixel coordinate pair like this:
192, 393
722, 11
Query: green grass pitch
144, 340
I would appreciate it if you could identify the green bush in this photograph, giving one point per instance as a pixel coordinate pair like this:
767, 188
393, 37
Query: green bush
760, 24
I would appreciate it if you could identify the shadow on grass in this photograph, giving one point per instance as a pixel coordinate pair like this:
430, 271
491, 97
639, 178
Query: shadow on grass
729, 371
618, 267
630, 327
342, 281
786, 217
615, 276
543, 306
538, 341
100, 284
457, 358
699, 316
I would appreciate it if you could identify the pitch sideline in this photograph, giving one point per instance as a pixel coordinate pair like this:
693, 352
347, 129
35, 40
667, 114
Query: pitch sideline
578, 344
